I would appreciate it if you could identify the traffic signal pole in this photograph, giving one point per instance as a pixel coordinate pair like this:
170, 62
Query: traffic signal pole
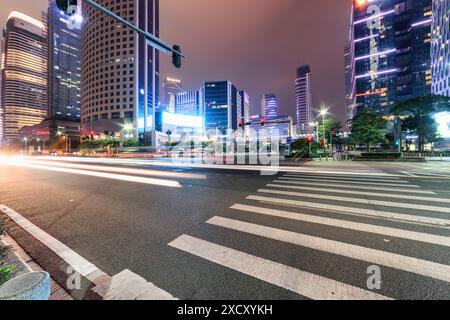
158, 44
151, 39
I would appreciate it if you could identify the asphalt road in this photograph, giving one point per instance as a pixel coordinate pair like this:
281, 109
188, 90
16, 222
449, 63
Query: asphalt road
205, 233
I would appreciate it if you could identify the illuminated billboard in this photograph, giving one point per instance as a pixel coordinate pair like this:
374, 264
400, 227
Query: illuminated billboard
443, 122
180, 120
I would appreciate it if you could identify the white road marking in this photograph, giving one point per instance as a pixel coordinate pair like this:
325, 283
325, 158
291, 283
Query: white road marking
339, 185
387, 259
81, 265
289, 278
408, 174
378, 180
358, 200
362, 193
358, 178
113, 176
352, 182
113, 287
352, 211
392, 232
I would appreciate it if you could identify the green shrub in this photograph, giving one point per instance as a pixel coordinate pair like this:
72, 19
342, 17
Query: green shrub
5, 269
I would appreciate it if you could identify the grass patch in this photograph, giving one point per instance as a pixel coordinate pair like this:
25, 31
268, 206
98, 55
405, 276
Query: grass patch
6, 270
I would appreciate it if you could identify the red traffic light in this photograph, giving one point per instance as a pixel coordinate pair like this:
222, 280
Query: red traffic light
263, 121
241, 124
310, 139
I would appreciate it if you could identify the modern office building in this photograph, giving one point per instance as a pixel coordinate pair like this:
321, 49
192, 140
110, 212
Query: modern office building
350, 81
245, 107
303, 96
24, 75
64, 66
170, 88
222, 103
120, 71
391, 52
440, 48
189, 103
269, 106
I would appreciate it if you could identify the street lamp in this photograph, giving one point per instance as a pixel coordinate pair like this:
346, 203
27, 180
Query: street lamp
323, 113
26, 141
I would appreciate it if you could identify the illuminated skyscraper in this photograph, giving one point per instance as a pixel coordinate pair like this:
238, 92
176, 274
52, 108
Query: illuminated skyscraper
24, 75
350, 81
269, 106
120, 71
64, 67
189, 103
440, 48
391, 51
245, 106
170, 87
222, 103
303, 96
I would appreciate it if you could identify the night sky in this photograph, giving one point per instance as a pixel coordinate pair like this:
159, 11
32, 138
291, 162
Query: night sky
256, 44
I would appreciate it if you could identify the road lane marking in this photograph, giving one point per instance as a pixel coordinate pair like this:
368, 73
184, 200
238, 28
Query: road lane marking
292, 279
105, 284
387, 259
113, 176
361, 193
81, 265
409, 174
290, 175
392, 232
358, 200
145, 172
352, 211
351, 182
339, 185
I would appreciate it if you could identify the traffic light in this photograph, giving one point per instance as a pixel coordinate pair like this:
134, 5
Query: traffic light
310, 139
241, 124
67, 6
263, 121
176, 57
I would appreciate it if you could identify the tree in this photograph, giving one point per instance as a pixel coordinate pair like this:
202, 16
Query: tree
330, 127
368, 128
419, 114
301, 147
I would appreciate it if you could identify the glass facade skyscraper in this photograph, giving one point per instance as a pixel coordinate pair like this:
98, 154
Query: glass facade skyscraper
269, 106
64, 45
391, 52
222, 103
303, 98
440, 49
24, 75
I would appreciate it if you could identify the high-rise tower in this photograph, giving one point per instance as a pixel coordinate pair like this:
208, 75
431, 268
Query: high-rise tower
120, 71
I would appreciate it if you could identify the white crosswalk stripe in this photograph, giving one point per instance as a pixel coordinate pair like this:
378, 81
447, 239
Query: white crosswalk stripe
350, 182
357, 200
287, 197
373, 194
353, 210
346, 186
392, 232
396, 261
349, 179
303, 283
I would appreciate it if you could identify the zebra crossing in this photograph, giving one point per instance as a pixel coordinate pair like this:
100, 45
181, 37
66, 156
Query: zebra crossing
347, 209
